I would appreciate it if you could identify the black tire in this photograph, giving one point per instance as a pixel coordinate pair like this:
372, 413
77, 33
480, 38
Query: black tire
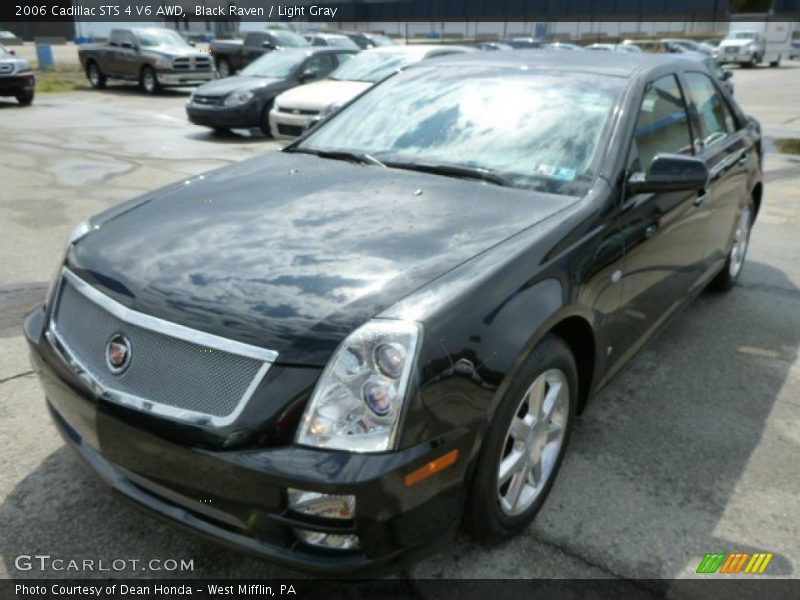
754, 61
484, 519
776, 63
730, 273
224, 67
265, 128
149, 81
95, 76
25, 98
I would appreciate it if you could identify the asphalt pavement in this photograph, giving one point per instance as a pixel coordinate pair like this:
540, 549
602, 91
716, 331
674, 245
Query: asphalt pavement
693, 448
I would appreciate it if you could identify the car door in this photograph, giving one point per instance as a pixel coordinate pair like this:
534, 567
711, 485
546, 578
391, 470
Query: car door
128, 55
725, 148
663, 232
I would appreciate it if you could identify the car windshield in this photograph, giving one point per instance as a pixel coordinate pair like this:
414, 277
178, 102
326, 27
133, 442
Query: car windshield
160, 37
742, 35
340, 41
275, 65
289, 38
380, 40
374, 66
529, 129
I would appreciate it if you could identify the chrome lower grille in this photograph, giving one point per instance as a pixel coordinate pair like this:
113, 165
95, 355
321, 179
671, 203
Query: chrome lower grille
192, 63
173, 371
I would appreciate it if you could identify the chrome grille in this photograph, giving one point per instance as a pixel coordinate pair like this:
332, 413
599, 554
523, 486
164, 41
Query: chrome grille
207, 100
297, 111
192, 63
169, 375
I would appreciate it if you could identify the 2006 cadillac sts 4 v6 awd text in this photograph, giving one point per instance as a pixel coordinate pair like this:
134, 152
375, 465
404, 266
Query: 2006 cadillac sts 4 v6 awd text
334, 355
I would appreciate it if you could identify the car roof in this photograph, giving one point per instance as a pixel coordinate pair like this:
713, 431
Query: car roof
622, 64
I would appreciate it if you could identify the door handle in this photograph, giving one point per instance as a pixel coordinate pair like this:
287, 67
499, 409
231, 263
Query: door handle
702, 197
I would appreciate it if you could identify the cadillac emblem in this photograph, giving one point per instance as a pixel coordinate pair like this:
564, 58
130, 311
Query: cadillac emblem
118, 353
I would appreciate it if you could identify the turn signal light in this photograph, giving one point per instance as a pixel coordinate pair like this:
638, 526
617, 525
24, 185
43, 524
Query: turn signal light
431, 468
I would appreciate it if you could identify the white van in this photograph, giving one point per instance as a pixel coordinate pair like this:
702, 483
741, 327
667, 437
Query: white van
752, 42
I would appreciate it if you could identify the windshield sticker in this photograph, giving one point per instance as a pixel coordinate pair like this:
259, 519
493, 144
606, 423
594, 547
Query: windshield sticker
560, 173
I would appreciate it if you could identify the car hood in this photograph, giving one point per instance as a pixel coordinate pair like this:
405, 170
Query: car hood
321, 94
221, 87
291, 252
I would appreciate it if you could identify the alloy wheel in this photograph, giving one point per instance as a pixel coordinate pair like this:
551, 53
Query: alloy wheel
741, 239
533, 442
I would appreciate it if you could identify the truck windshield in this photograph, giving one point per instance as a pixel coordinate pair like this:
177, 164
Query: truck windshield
160, 37
528, 129
275, 65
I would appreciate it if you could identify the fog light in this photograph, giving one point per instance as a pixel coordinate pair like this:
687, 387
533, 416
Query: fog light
326, 506
328, 540
322, 505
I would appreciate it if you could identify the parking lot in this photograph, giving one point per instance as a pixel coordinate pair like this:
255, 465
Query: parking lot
691, 449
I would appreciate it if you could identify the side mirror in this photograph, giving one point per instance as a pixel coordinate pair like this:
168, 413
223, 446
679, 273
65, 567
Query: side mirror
670, 173
12, 52
268, 45
726, 74
192, 44
307, 76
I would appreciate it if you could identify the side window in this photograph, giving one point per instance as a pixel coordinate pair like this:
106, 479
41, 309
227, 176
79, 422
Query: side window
128, 38
116, 37
716, 120
319, 65
663, 123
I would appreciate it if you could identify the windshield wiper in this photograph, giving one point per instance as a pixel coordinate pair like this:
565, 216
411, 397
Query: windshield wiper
454, 171
359, 157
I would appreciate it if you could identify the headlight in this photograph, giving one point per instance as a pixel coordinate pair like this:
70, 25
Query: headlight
162, 62
77, 233
357, 403
239, 98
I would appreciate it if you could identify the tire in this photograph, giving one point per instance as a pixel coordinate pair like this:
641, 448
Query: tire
754, 61
729, 275
776, 63
264, 125
223, 67
96, 78
149, 81
491, 514
25, 98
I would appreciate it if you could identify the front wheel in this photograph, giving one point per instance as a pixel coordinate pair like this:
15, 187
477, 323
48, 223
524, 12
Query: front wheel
729, 275
265, 128
224, 67
776, 62
754, 60
150, 81
524, 445
25, 98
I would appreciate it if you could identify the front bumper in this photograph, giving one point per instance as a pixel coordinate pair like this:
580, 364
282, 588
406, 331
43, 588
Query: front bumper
738, 57
247, 115
16, 84
238, 497
178, 78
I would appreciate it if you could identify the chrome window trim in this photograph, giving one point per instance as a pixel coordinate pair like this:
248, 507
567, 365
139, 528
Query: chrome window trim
159, 326
168, 328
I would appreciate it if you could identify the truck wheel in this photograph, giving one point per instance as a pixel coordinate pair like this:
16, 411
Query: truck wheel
150, 81
524, 444
96, 78
224, 67
776, 62
25, 98
754, 61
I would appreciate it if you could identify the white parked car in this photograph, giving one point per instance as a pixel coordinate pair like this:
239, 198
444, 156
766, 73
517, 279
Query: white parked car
335, 40
294, 110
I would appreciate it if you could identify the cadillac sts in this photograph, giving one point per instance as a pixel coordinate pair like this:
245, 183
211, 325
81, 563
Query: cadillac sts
336, 355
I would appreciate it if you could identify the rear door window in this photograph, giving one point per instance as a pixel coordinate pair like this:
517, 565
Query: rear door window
716, 119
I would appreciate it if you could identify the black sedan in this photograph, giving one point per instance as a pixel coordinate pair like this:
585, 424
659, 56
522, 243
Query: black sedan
336, 355
245, 100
